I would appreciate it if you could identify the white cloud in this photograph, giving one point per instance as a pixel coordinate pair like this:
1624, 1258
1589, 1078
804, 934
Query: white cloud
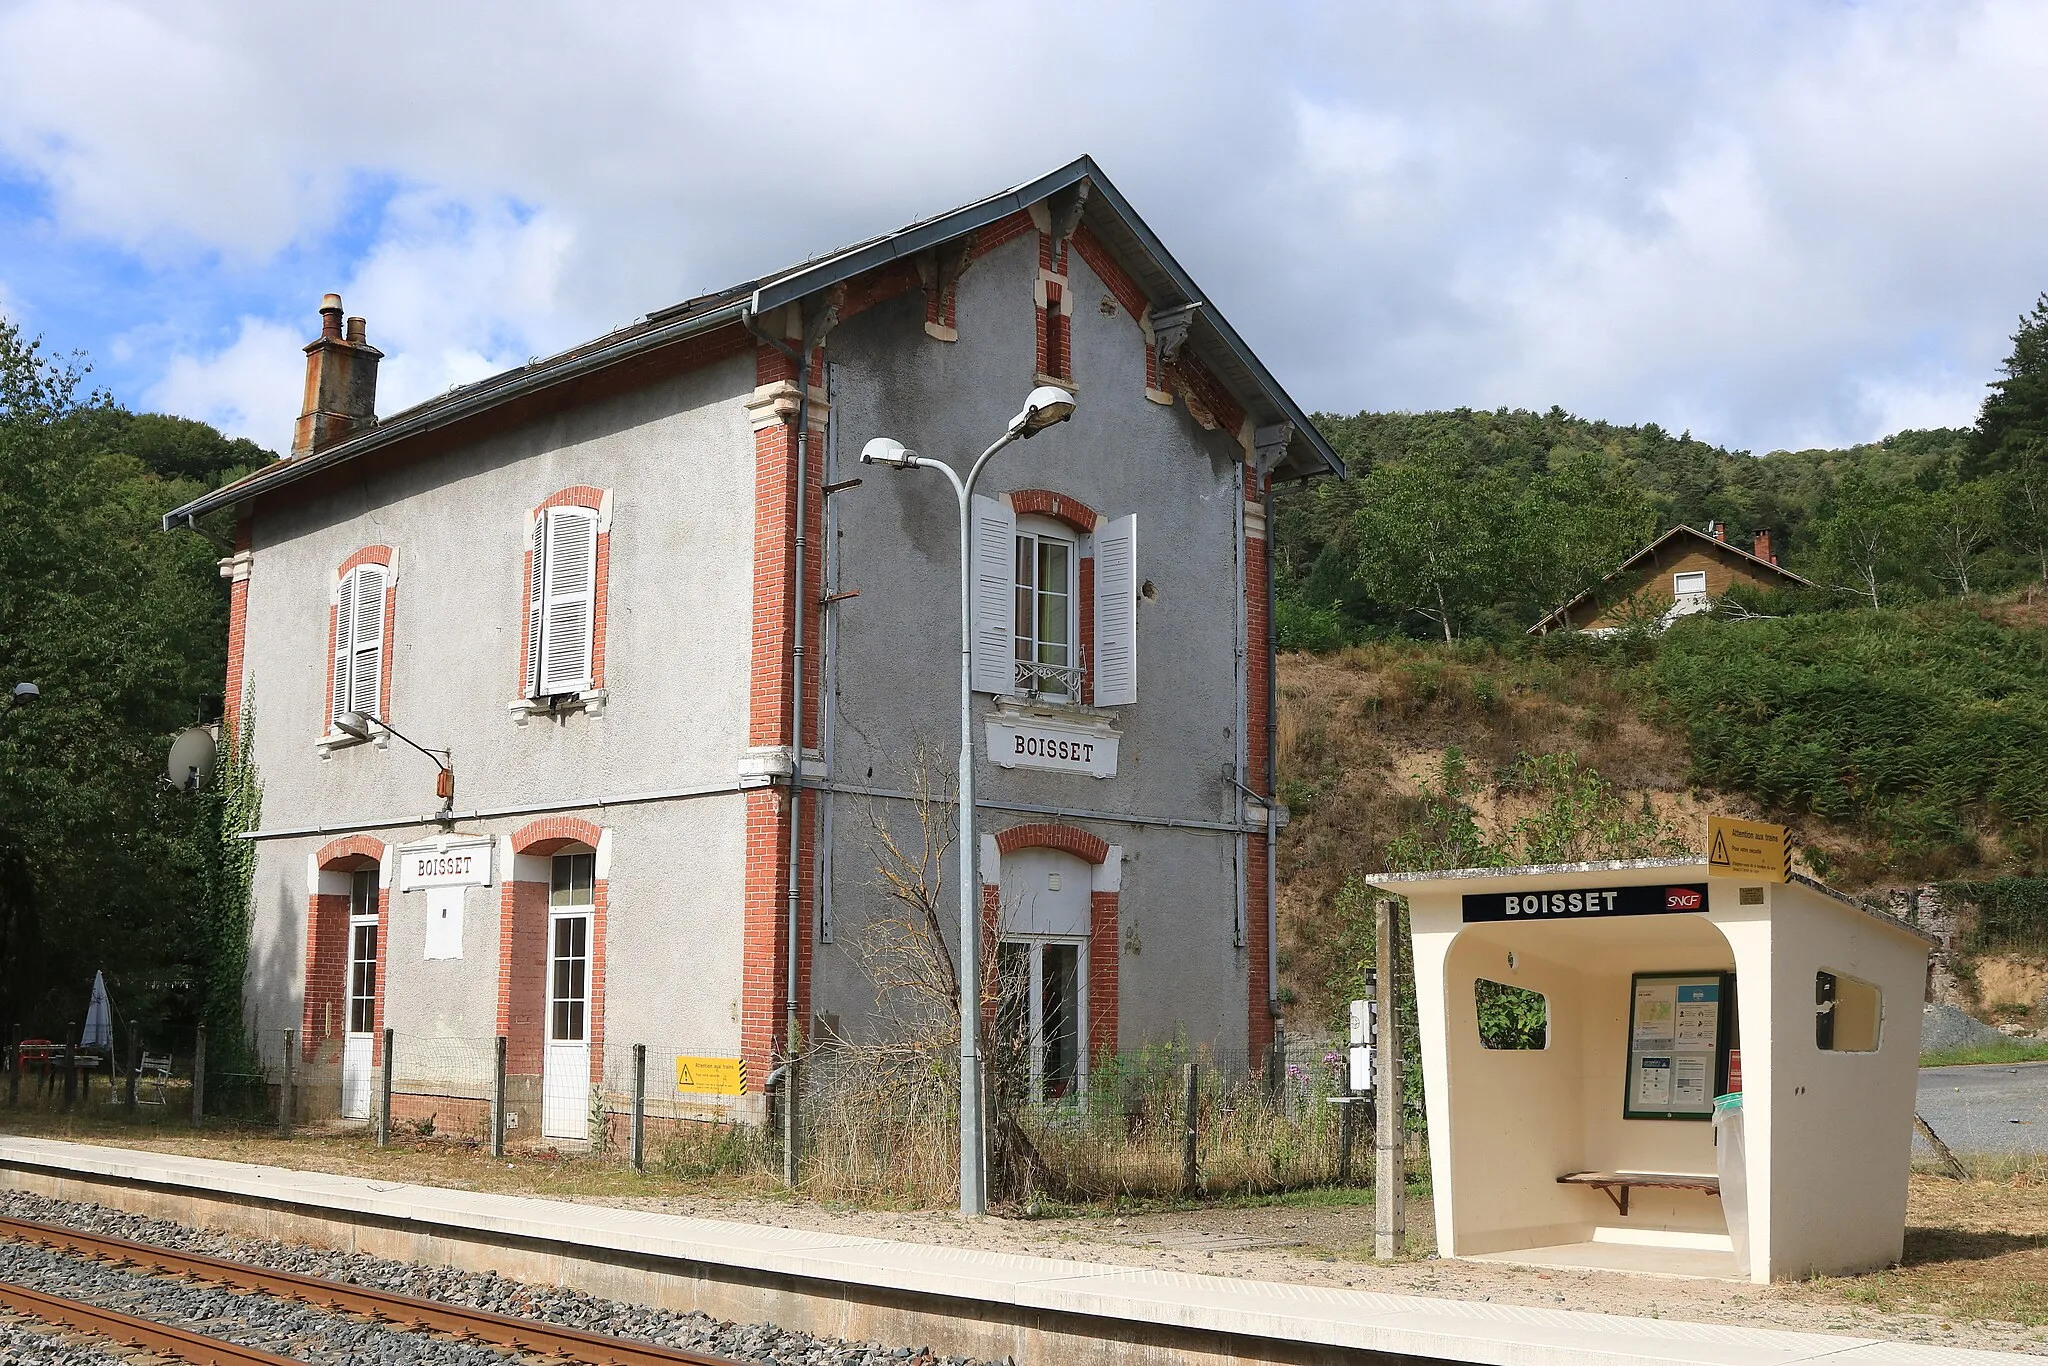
251, 387
1773, 224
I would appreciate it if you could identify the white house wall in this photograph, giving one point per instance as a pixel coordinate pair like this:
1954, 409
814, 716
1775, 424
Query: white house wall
676, 457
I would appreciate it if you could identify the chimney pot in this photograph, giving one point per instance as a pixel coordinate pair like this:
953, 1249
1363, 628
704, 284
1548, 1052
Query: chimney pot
341, 382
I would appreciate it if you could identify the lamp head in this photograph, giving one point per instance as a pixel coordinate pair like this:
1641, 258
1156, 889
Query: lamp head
887, 450
25, 693
353, 723
1047, 405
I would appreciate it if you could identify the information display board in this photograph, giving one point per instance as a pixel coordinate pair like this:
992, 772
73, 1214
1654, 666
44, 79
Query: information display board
1678, 1031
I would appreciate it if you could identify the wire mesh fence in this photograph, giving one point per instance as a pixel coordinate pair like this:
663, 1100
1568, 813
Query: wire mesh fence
874, 1125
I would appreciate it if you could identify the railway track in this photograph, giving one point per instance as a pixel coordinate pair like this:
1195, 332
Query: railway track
405, 1311
163, 1339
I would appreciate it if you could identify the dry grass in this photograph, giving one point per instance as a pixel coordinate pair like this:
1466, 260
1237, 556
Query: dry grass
1358, 728
1975, 1250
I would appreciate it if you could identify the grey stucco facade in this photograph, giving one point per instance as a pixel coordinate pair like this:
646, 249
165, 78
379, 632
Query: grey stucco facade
672, 771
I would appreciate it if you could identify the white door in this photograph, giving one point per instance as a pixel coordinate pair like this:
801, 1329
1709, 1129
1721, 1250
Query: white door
359, 1045
565, 1072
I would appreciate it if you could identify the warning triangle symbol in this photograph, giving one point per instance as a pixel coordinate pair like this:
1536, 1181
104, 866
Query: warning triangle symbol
1719, 853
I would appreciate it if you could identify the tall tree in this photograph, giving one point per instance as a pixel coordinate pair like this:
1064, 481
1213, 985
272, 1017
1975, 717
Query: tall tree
2023, 489
2015, 412
124, 630
1434, 536
1863, 536
1961, 521
1578, 521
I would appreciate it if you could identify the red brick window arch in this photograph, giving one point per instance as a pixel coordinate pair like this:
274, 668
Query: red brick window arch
565, 574
523, 945
342, 995
360, 631
1105, 947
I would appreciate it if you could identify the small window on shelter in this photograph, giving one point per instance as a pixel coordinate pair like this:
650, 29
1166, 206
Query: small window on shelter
1846, 1013
1511, 1018
1691, 584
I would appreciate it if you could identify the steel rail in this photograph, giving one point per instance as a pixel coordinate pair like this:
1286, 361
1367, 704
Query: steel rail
162, 1339
507, 1330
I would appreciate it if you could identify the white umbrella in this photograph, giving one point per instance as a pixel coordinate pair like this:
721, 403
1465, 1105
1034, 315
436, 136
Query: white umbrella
99, 1017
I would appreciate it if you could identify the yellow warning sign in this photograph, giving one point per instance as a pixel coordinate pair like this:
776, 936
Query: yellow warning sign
711, 1076
1751, 849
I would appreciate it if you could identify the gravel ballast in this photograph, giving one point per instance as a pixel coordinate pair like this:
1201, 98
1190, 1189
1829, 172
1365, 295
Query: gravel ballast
22, 1346
761, 1343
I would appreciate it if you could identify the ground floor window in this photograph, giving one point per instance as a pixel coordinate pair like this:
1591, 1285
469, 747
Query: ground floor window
1042, 1016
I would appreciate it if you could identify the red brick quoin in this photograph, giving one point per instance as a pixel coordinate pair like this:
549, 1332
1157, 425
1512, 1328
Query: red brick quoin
1104, 946
523, 947
325, 1018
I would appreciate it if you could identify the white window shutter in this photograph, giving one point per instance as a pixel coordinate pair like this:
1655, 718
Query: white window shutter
534, 577
567, 623
365, 690
994, 661
344, 648
1116, 613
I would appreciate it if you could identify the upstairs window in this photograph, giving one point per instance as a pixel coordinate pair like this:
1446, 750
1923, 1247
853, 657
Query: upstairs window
1691, 584
1029, 613
1048, 617
358, 673
561, 600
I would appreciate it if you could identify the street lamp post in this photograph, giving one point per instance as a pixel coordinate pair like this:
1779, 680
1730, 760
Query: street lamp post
1046, 406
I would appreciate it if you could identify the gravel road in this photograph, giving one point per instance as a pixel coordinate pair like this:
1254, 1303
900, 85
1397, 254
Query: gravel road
699, 1332
1986, 1110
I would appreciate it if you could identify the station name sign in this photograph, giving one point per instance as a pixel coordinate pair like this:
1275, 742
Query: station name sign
1586, 903
455, 863
1030, 742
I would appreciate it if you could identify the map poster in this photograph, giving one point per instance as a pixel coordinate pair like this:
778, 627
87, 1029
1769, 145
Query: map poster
1675, 1041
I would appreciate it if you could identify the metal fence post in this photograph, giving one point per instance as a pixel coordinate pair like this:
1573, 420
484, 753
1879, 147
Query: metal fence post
1347, 1127
199, 1077
639, 1107
70, 1066
384, 1090
498, 1096
286, 1101
134, 1070
1191, 1109
14, 1066
1389, 1216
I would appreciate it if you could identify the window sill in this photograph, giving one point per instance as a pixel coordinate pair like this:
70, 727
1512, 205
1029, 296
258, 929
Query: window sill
329, 745
590, 702
1025, 704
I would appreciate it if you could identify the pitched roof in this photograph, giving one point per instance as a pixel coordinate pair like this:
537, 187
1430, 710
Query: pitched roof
1106, 213
1562, 615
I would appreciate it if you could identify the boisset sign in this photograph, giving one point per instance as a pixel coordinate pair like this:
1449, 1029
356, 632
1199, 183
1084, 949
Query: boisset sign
1586, 903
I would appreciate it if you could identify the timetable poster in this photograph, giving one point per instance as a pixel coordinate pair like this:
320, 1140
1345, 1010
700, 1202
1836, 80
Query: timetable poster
1674, 1043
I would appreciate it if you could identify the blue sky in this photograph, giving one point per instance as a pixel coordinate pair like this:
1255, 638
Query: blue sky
1775, 225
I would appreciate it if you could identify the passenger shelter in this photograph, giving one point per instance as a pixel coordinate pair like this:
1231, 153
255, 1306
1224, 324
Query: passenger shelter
1578, 1022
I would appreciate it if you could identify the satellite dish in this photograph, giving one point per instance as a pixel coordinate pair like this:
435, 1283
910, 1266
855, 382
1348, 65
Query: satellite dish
191, 761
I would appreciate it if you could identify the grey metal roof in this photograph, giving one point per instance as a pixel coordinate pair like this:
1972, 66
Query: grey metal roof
1107, 213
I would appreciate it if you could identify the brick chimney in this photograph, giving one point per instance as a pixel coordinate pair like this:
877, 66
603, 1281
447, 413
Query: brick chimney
1719, 529
1762, 547
341, 382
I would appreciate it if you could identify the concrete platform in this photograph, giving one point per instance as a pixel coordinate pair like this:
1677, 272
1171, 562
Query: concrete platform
1043, 1311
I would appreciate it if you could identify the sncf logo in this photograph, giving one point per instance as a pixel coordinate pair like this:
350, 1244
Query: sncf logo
1681, 899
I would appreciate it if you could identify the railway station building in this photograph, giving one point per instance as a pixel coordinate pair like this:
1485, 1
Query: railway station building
677, 648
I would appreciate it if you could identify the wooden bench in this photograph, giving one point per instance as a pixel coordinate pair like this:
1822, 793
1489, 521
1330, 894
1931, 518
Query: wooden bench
1616, 1185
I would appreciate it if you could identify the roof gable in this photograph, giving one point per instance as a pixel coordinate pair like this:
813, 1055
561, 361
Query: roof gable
1561, 615
1286, 440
